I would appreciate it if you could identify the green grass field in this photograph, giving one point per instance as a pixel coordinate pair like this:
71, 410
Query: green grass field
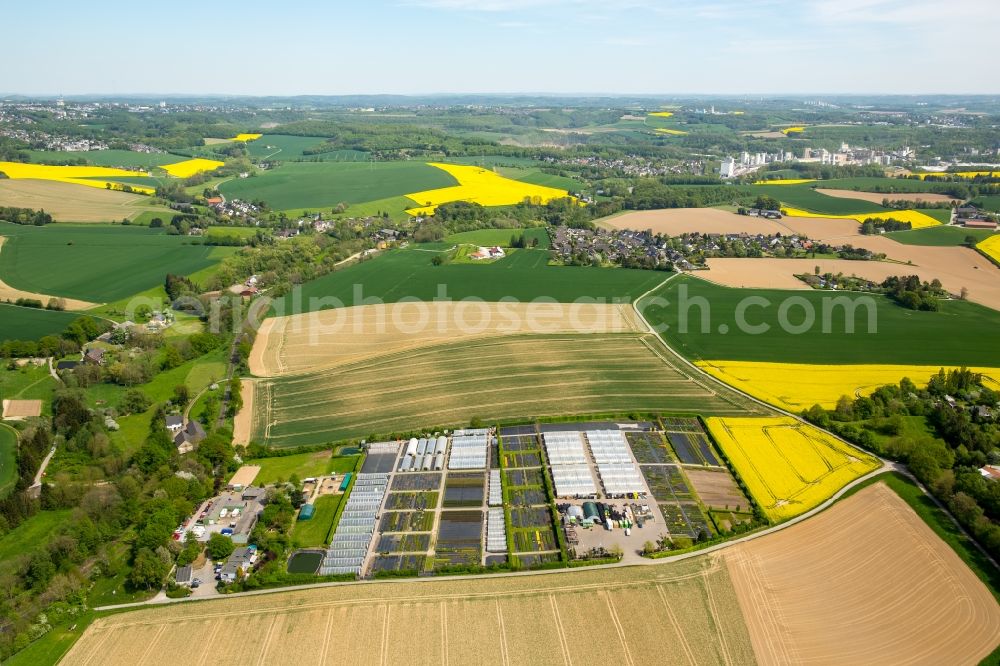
523, 275
960, 333
500, 237
806, 198
316, 530
17, 323
943, 236
538, 177
284, 148
988, 203
296, 185
96, 262
507, 377
871, 184
303, 465
108, 158
8, 459
31, 534
29, 382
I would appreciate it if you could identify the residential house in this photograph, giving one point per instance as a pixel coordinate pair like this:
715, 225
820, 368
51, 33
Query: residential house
94, 355
175, 423
186, 439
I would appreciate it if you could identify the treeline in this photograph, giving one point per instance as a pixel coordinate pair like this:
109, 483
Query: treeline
650, 194
964, 439
79, 332
26, 216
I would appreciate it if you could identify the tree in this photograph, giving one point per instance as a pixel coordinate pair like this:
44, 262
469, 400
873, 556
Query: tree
219, 547
134, 402
182, 395
148, 570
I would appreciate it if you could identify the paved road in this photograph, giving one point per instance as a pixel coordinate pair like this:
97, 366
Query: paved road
41, 468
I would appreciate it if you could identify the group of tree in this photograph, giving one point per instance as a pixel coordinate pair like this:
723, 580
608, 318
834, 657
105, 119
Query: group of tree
961, 436
78, 332
911, 293
877, 225
28, 216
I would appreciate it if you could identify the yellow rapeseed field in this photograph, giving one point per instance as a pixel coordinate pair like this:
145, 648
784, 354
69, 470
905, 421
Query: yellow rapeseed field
246, 137
674, 132
480, 186
798, 386
188, 168
789, 467
917, 219
958, 174
785, 181
793, 130
991, 246
661, 114
78, 175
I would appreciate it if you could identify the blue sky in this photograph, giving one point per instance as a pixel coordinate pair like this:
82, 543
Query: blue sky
557, 46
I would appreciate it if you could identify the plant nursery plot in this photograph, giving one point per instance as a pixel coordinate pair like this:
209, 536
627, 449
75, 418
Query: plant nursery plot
410, 501
406, 521
717, 488
688, 448
788, 466
649, 447
518, 443
529, 459
402, 543
524, 477
464, 489
526, 496
695, 519
665, 482
418, 482
681, 424
412, 563
534, 540
518, 431
460, 530
540, 516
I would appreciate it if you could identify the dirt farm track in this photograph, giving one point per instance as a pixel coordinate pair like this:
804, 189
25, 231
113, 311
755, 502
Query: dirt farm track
865, 581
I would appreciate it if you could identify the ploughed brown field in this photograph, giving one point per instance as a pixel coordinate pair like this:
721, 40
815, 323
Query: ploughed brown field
330, 338
955, 267
683, 613
878, 197
19, 409
68, 202
866, 581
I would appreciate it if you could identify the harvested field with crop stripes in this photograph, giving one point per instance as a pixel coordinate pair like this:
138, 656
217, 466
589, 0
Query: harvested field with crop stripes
866, 581
330, 338
681, 612
492, 378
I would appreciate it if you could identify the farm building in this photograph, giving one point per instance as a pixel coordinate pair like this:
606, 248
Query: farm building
243, 477
349, 546
307, 511
573, 480
564, 448
183, 575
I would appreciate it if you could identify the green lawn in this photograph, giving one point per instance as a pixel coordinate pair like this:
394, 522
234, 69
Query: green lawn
523, 275
96, 262
31, 534
18, 323
539, 177
325, 184
304, 465
500, 237
29, 382
943, 236
8, 459
960, 333
108, 158
316, 530
242, 232
51, 647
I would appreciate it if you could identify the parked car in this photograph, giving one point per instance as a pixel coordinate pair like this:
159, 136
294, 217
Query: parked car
227, 531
